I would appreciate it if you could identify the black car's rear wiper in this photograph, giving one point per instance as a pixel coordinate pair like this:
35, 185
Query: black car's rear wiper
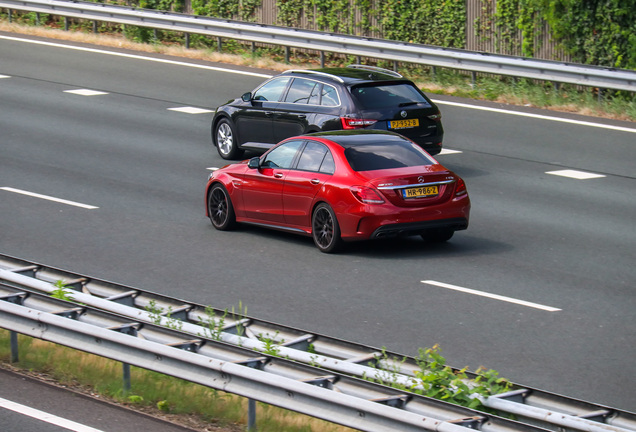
403, 104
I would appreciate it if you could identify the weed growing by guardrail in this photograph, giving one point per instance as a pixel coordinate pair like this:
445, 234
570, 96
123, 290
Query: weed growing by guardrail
62, 291
435, 379
212, 327
271, 346
158, 313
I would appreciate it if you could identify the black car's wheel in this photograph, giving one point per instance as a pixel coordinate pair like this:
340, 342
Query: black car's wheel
220, 208
325, 229
225, 139
438, 235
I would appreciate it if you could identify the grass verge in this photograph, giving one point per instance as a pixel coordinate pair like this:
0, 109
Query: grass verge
191, 405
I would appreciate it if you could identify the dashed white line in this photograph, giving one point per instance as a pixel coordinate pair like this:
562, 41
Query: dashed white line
190, 110
46, 417
86, 92
446, 151
4, 76
579, 175
492, 296
49, 198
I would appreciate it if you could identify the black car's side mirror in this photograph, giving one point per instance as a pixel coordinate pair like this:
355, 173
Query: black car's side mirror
247, 97
254, 163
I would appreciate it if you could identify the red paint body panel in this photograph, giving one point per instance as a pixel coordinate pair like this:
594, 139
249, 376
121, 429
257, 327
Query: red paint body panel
284, 198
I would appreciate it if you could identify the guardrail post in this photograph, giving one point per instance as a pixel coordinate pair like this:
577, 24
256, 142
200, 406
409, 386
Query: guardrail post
65, 23
126, 377
322, 59
187, 40
251, 415
95, 27
473, 78
219, 44
13, 336
37, 18
600, 95
286, 54
9, 15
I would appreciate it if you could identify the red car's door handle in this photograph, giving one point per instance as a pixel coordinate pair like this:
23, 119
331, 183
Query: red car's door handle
314, 181
278, 175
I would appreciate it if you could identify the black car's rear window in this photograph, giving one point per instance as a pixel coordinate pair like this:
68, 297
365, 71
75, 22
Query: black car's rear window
388, 95
386, 155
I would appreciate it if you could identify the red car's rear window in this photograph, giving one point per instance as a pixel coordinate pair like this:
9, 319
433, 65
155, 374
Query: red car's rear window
376, 156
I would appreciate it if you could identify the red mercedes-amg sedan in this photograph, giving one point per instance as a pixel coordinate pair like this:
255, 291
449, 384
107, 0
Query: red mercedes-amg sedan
341, 186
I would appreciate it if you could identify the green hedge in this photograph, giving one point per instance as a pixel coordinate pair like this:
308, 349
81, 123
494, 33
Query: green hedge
597, 32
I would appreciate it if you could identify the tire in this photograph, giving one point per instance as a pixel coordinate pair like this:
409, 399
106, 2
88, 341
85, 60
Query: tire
220, 208
438, 236
224, 138
325, 229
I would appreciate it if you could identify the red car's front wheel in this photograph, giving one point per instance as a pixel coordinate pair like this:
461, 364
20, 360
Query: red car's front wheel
220, 209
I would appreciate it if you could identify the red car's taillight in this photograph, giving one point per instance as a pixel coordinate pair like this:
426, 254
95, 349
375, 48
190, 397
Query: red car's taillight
366, 195
460, 189
356, 123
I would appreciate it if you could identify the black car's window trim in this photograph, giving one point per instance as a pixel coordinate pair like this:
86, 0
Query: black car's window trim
282, 94
321, 90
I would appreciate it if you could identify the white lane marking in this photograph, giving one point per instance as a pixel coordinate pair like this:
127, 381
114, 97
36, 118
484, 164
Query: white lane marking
190, 110
212, 168
218, 69
49, 198
579, 175
492, 296
86, 92
537, 116
4, 76
136, 57
46, 417
446, 151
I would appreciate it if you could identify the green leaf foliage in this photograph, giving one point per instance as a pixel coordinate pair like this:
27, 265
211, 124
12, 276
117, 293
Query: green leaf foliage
599, 32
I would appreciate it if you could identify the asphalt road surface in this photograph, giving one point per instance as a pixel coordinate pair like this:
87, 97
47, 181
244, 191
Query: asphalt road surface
555, 254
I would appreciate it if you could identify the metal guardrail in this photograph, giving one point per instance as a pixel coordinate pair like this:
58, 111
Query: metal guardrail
238, 370
330, 362
601, 77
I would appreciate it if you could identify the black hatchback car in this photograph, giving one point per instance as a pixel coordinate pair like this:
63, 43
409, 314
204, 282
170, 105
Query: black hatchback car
298, 102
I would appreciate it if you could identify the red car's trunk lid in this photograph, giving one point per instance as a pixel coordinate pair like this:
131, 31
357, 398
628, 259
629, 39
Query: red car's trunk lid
420, 188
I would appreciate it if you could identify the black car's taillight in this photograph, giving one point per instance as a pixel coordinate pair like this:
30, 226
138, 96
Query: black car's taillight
356, 123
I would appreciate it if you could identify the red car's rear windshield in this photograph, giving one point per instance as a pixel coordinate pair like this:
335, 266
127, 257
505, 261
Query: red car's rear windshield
377, 156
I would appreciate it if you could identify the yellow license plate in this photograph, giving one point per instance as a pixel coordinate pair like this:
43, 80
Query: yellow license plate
420, 192
404, 124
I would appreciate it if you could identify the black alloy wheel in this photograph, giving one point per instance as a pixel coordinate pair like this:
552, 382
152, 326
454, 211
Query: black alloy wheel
225, 140
220, 208
325, 229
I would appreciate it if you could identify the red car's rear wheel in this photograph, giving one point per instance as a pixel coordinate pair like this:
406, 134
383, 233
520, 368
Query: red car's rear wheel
325, 229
